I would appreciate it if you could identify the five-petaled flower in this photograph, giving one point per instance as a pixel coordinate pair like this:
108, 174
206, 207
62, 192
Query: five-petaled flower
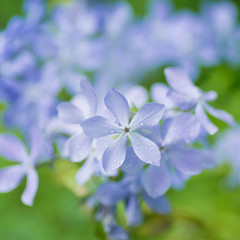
113, 157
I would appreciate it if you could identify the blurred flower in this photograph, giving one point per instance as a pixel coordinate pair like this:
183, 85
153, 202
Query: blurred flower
13, 150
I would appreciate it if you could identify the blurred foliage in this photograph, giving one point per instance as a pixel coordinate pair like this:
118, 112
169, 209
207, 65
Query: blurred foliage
206, 209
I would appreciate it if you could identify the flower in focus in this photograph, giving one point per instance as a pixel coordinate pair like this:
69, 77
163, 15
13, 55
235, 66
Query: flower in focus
124, 128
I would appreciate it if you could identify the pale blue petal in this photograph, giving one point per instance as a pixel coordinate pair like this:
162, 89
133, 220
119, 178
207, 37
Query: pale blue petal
183, 129
133, 212
116, 232
115, 154
10, 177
110, 193
153, 133
118, 105
179, 80
37, 144
90, 95
160, 205
189, 161
132, 164
205, 122
70, 113
220, 114
145, 149
86, 171
137, 96
150, 114
184, 102
12, 148
156, 180
159, 93
99, 127
79, 147
31, 188
209, 96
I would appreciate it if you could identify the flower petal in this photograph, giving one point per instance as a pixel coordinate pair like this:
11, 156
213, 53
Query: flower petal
37, 144
114, 155
99, 127
160, 205
179, 80
159, 93
86, 171
183, 101
110, 193
190, 161
79, 147
70, 113
220, 114
150, 114
205, 122
209, 96
145, 149
156, 180
137, 96
132, 164
12, 148
31, 188
133, 212
118, 105
10, 177
183, 129
90, 95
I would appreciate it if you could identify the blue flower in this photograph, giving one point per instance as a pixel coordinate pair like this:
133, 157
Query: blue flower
131, 191
98, 126
13, 150
189, 97
178, 162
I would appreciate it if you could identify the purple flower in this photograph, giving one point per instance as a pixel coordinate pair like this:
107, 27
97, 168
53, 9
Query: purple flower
10, 177
178, 162
124, 129
130, 190
189, 97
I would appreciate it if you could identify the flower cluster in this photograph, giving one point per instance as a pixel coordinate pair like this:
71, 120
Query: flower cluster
137, 144
146, 149
62, 45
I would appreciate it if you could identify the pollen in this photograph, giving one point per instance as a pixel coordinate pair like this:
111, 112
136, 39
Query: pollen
126, 130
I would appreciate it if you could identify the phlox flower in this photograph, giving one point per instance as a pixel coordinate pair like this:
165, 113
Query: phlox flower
125, 128
131, 191
14, 150
178, 162
189, 97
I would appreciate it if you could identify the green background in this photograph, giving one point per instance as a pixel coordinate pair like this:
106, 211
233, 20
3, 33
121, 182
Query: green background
205, 209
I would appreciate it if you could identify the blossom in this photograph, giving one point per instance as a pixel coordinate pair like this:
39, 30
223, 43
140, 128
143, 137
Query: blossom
14, 150
81, 146
189, 97
130, 190
98, 126
178, 162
